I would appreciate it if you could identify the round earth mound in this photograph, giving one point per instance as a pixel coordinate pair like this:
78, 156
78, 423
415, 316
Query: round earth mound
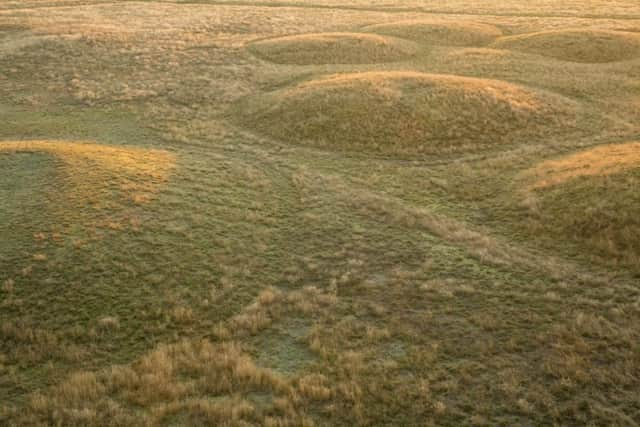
136, 170
333, 48
403, 112
87, 180
588, 46
439, 33
592, 199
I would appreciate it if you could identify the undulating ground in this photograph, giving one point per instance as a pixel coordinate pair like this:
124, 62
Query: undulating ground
319, 212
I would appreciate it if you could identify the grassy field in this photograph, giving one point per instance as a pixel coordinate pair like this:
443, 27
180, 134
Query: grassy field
319, 212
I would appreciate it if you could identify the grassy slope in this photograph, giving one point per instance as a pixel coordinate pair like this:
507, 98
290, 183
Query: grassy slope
341, 287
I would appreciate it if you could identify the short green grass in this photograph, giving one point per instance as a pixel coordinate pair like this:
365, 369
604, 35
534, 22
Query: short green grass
277, 281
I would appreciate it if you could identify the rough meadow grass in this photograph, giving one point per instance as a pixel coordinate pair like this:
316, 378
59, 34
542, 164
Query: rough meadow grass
319, 213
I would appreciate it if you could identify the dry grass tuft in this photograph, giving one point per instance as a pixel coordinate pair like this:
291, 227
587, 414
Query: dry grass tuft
589, 46
167, 383
333, 48
439, 32
405, 112
107, 323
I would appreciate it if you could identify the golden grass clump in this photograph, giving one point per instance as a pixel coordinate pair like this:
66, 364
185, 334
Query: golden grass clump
439, 32
91, 172
167, 384
405, 112
576, 45
590, 198
333, 48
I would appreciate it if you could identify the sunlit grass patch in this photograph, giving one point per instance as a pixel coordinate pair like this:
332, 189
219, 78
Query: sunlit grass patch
603, 160
90, 180
138, 173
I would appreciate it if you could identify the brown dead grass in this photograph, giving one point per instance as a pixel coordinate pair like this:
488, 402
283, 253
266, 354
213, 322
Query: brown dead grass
405, 112
439, 32
600, 161
577, 45
166, 385
332, 48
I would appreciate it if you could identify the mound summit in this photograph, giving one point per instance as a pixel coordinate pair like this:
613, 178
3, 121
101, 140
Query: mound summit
438, 32
576, 45
404, 112
332, 48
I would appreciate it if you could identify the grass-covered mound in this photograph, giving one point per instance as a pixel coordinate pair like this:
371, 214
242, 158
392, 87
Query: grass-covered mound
439, 32
591, 198
403, 112
332, 48
87, 180
87, 166
579, 45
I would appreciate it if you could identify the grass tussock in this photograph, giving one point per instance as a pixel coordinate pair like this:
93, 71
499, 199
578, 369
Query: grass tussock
439, 32
405, 112
333, 48
577, 45
164, 386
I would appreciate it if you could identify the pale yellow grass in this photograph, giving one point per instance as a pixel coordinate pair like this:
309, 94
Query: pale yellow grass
600, 161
